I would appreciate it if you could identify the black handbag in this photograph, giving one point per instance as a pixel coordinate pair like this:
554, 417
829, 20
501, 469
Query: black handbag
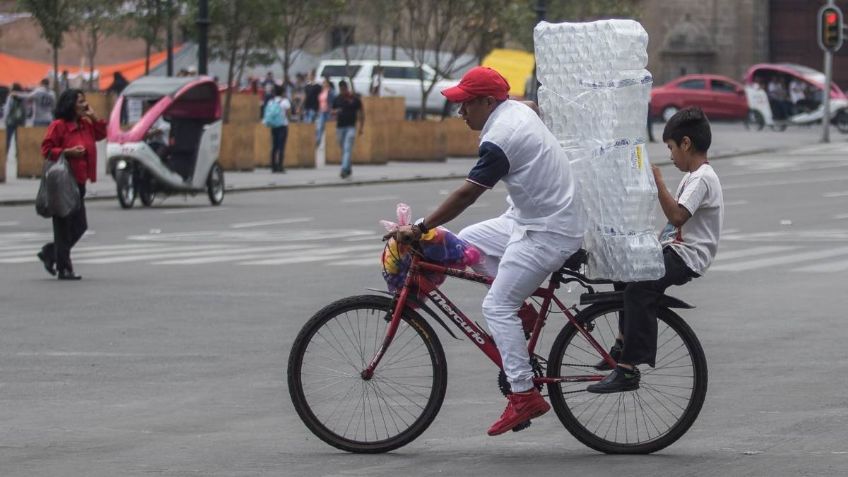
58, 194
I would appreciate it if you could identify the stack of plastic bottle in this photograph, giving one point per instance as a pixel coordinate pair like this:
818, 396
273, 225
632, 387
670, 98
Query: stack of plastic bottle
594, 97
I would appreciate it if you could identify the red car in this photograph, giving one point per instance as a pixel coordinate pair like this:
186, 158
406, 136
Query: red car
719, 96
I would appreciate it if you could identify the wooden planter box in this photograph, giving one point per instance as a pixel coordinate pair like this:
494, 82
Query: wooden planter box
101, 103
460, 140
300, 146
237, 147
244, 108
367, 148
30, 160
419, 141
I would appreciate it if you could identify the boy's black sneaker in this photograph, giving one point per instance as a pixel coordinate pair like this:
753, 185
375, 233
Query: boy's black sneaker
619, 380
614, 352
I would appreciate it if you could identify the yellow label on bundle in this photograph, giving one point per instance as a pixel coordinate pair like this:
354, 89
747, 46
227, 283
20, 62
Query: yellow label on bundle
639, 157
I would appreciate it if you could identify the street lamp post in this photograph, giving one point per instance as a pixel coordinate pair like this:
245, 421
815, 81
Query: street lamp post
203, 36
169, 35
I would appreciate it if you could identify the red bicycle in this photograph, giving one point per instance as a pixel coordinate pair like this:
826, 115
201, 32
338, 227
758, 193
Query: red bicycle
367, 374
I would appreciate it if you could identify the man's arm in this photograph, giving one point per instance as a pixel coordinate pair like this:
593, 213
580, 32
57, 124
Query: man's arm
455, 204
676, 214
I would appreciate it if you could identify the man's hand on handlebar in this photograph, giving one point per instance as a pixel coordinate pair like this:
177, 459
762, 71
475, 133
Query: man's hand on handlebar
405, 234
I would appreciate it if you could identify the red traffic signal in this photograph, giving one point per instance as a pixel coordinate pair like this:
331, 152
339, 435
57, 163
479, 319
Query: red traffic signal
830, 28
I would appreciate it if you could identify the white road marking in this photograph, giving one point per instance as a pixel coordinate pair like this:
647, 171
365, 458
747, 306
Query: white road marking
356, 200
271, 222
840, 216
363, 239
831, 195
365, 261
776, 183
783, 260
315, 255
731, 203
193, 210
829, 267
171, 252
751, 252
232, 255
10, 223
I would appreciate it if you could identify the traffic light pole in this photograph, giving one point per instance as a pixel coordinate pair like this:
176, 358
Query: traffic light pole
828, 74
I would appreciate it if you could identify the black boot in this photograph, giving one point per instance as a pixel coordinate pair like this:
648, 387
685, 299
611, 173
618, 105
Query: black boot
619, 380
614, 352
48, 262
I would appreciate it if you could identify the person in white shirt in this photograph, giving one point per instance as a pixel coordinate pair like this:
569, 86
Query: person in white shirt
690, 240
540, 229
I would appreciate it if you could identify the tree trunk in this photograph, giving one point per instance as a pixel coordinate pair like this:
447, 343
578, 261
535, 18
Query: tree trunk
147, 45
229, 94
56, 70
92, 52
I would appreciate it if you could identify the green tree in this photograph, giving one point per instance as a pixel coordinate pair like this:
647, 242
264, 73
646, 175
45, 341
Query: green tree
438, 26
298, 23
239, 33
147, 19
55, 19
93, 19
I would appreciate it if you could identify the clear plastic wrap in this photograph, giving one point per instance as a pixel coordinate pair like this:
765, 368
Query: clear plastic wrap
594, 98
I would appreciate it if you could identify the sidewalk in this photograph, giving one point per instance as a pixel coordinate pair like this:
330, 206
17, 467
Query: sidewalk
22, 191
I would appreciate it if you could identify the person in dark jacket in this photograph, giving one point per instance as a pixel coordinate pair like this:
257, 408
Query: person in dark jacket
73, 134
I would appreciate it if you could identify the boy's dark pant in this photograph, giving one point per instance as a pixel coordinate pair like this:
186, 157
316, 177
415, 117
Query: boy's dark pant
638, 322
66, 232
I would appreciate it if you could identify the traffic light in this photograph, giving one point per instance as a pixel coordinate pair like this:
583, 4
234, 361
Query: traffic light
830, 28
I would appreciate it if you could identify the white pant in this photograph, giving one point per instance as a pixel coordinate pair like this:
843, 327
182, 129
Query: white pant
520, 261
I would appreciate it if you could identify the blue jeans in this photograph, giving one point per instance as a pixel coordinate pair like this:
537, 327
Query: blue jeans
345, 137
309, 115
319, 127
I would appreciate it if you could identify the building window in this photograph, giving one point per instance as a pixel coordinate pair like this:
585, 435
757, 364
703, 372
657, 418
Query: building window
341, 36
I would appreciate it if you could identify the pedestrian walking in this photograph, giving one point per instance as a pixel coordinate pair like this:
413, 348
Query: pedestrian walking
73, 134
43, 104
310, 98
542, 227
348, 110
276, 117
15, 111
325, 105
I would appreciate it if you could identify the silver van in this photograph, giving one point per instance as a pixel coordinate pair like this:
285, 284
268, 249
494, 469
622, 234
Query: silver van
400, 78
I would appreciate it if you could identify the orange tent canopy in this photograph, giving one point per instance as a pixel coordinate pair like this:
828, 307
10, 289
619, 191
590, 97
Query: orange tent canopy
30, 73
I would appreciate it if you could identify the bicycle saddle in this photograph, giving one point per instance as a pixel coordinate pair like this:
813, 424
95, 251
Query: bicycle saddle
576, 260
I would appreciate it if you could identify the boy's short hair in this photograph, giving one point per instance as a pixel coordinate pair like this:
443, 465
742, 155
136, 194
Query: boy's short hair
692, 123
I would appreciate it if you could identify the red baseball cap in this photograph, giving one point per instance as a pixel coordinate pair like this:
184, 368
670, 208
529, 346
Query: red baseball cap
478, 81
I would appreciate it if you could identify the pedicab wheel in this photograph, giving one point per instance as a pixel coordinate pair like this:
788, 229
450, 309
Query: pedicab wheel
648, 419
668, 112
755, 120
215, 184
841, 121
126, 189
146, 193
366, 415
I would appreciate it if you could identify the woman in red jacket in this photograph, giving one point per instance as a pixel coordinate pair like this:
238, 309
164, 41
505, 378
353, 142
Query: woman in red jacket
73, 133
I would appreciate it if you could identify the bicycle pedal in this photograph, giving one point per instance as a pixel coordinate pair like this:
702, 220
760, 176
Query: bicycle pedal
522, 426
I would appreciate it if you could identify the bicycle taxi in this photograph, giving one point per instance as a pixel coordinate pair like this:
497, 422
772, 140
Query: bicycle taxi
164, 137
368, 374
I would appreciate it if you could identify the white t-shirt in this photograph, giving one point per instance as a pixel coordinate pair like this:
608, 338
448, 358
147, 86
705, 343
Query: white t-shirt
696, 242
517, 148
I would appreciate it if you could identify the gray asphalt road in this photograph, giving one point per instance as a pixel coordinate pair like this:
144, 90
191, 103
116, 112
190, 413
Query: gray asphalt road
166, 360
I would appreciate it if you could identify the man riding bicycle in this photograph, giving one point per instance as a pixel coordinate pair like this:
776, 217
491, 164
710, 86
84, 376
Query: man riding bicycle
540, 229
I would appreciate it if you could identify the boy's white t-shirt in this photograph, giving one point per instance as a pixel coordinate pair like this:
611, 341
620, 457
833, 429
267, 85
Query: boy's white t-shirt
696, 242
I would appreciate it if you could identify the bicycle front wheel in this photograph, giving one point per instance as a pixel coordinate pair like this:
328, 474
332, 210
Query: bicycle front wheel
646, 420
354, 414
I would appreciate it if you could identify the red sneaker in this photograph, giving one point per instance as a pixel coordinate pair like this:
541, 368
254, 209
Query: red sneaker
528, 316
522, 407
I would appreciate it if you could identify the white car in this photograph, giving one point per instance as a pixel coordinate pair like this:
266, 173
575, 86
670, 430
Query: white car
400, 78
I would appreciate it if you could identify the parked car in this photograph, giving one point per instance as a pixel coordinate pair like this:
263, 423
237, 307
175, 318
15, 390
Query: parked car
718, 96
400, 78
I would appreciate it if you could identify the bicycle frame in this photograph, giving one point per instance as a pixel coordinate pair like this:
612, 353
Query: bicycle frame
479, 337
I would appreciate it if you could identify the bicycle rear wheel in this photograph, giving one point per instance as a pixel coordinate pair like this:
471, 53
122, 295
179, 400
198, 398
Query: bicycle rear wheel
366, 416
651, 418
